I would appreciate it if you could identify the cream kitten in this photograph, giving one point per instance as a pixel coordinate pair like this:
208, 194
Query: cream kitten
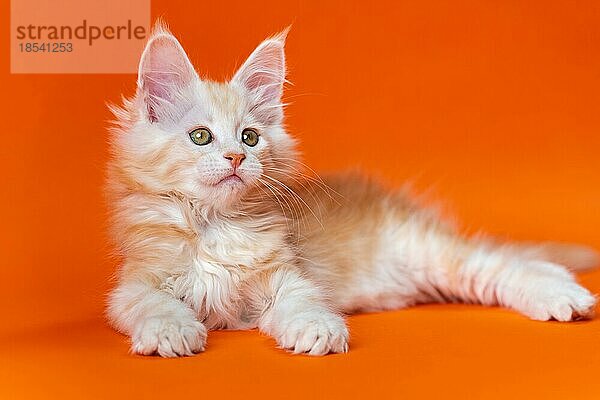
219, 226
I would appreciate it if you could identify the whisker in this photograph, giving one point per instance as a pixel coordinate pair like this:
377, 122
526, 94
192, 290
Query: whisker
278, 202
295, 195
316, 179
292, 206
292, 210
309, 189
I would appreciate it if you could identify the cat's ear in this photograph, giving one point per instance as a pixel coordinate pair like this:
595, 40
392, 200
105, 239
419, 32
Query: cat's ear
164, 71
263, 75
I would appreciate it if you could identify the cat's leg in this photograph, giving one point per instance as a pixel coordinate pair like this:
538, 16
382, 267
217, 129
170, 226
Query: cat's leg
157, 322
296, 312
503, 275
419, 261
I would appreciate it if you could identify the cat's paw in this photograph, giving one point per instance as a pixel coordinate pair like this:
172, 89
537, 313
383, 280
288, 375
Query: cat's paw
315, 333
557, 296
169, 337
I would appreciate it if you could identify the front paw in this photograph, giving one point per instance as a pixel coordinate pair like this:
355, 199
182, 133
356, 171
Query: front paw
315, 333
169, 337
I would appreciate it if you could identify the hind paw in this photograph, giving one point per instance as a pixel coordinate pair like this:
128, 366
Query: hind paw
556, 297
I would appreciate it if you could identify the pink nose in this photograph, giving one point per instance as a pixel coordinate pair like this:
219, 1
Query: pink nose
235, 159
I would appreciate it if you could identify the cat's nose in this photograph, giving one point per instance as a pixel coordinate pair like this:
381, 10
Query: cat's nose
235, 159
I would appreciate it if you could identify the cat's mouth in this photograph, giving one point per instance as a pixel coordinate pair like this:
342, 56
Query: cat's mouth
231, 179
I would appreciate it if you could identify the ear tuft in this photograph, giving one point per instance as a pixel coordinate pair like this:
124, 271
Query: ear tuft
281, 36
164, 71
160, 27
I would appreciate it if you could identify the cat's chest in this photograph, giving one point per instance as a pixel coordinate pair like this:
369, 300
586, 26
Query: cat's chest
236, 242
224, 255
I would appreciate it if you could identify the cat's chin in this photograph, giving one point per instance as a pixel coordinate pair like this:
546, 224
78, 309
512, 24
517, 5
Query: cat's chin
226, 191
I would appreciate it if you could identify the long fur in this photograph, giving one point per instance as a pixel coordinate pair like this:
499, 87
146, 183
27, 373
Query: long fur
276, 246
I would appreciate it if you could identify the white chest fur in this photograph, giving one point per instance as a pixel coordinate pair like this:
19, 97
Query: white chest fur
224, 253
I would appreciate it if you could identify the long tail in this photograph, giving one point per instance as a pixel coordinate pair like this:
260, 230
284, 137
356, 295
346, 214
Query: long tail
574, 256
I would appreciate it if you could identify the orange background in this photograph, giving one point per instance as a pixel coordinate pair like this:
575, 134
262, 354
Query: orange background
493, 105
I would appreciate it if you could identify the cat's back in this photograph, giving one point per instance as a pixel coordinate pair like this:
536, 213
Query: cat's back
343, 218
354, 230
339, 206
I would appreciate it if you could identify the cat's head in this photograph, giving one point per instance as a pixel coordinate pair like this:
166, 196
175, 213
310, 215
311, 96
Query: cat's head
209, 141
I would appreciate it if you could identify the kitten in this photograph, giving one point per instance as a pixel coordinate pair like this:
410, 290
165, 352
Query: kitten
220, 226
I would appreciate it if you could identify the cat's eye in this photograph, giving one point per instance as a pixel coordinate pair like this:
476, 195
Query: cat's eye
201, 136
250, 137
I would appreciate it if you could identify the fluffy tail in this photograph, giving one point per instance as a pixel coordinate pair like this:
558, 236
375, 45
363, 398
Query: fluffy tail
574, 256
